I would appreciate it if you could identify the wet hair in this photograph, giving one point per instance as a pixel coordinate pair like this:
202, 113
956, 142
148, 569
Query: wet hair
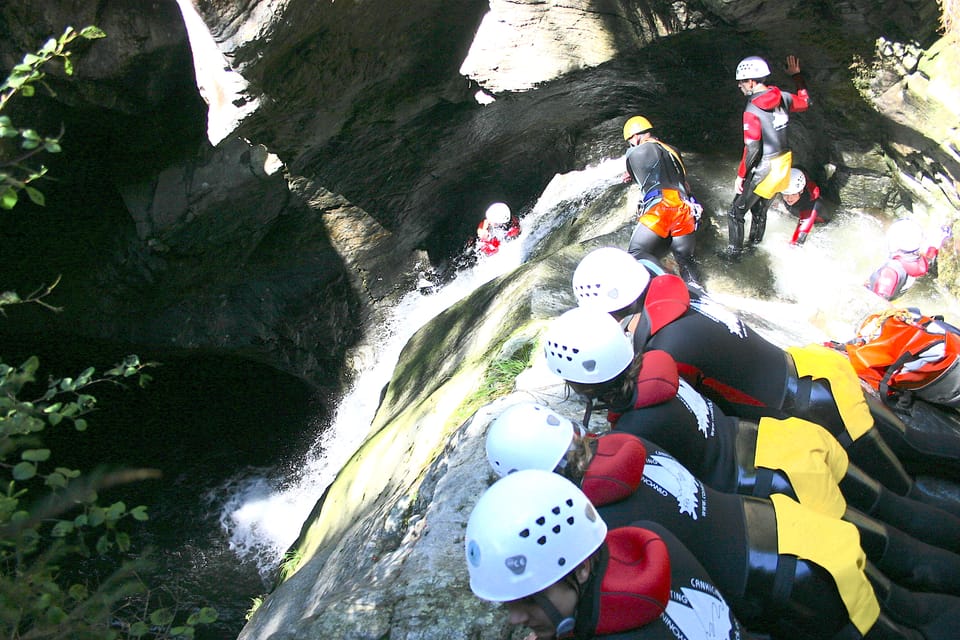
577, 459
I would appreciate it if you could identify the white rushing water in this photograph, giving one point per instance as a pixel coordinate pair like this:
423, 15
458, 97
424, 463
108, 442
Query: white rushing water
264, 512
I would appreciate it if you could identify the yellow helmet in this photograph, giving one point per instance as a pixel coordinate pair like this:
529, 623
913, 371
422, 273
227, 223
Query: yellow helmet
635, 125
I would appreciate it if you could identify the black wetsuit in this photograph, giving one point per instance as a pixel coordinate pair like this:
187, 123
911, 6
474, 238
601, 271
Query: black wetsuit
696, 609
654, 167
735, 538
720, 450
750, 377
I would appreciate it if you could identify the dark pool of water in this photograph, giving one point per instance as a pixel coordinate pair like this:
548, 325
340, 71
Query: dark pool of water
203, 420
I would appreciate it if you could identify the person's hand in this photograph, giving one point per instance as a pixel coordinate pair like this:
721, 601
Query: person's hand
626, 177
738, 184
793, 65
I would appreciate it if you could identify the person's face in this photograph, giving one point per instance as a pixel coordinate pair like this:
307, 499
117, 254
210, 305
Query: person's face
747, 86
791, 199
529, 614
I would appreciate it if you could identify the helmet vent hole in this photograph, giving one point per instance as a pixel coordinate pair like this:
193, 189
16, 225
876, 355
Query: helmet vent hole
525, 533
569, 502
589, 365
561, 561
556, 528
570, 521
541, 521
555, 511
542, 540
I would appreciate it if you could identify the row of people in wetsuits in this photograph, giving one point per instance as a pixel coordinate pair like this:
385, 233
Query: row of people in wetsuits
743, 490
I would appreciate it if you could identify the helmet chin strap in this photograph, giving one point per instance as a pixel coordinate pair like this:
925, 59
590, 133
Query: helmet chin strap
564, 625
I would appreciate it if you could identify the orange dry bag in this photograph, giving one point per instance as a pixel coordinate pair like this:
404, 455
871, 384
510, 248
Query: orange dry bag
902, 352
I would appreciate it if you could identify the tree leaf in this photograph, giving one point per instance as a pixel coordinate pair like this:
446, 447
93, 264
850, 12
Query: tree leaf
35, 455
161, 617
9, 199
91, 33
24, 471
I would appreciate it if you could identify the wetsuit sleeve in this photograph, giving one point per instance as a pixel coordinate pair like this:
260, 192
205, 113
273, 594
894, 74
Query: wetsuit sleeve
809, 215
752, 143
801, 100
886, 283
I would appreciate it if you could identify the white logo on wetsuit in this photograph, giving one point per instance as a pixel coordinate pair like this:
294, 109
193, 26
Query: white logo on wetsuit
698, 406
666, 476
719, 313
696, 612
780, 119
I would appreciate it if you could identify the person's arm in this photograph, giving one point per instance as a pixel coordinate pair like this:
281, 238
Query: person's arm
483, 230
752, 147
801, 99
886, 283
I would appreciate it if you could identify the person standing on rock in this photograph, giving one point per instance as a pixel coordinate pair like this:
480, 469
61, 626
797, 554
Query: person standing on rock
764, 168
667, 215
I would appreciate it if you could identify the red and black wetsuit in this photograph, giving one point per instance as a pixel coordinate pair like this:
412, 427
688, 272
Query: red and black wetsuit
765, 122
807, 209
899, 272
749, 377
721, 451
736, 540
649, 586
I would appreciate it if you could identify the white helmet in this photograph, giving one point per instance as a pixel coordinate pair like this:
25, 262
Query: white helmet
797, 182
588, 346
527, 531
752, 68
609, 279
904, 235
498, 213
528, 436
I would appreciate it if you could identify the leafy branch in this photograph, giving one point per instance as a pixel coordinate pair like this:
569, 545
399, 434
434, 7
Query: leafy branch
15, 173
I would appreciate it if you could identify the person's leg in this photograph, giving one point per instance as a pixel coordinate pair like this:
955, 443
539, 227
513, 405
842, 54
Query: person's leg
736, 220
684, 248
905, 560
645, 242
922, 521
934, 451
758, 220
935, 615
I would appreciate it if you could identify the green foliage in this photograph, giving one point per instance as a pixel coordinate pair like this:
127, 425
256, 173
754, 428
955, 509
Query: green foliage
501, 373
52, 524
16, 169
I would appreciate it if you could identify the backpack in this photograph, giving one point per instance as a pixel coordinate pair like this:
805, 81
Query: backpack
902, 353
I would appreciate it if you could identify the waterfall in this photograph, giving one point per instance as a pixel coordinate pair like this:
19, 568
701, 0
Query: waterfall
264, 511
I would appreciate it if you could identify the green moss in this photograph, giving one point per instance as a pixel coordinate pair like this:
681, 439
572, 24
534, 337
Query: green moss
498, 380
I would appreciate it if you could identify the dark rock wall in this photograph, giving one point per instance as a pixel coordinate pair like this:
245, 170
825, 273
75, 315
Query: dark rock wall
385, 152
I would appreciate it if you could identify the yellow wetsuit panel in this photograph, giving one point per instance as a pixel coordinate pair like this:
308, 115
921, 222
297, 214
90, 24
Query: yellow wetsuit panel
779, 177
818, 361
811, 458
834, 545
